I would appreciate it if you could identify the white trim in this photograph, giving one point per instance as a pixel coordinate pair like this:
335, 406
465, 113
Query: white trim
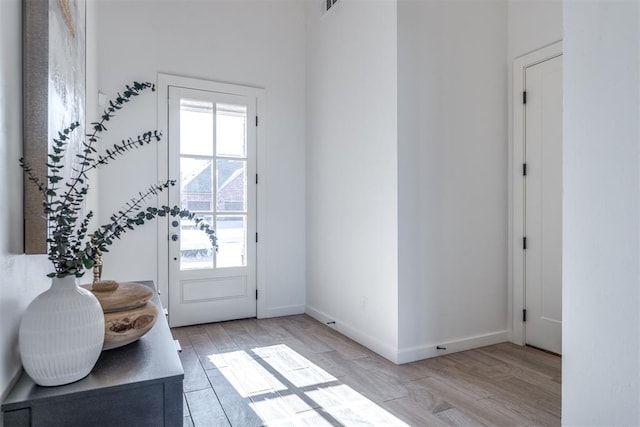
164, 81
516, 213
412, 354
366, 340
261, 206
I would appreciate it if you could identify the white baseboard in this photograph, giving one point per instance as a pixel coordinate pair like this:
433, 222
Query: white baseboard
411, 354
362, 338
427, 351
288, 310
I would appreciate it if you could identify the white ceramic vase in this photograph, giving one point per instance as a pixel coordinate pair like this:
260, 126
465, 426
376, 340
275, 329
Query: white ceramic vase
61, 333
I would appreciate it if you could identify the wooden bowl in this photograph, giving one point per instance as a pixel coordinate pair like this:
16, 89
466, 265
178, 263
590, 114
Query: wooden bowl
128, 313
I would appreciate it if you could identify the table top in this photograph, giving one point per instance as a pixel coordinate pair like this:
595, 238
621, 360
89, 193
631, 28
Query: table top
151, 359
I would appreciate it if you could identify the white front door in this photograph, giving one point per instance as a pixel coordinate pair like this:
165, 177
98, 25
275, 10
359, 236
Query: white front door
212, 155
543, 205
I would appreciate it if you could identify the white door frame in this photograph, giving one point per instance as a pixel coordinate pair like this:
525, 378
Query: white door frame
516, 184
164, 81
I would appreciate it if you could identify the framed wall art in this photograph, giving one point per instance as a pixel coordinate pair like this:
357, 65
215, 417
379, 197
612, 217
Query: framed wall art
53, 96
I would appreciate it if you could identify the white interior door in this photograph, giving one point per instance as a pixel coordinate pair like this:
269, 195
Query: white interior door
543, 205
212, 149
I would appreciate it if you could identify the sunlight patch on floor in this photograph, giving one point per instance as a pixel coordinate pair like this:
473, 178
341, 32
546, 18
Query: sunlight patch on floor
285, 388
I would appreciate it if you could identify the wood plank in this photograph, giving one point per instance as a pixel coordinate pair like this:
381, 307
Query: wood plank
375, 385
307, 339
332, 363
526, 358
272, 408
468, 404
424, 397
402, 373
459, 380
296, 371
304, 321
505, 372
313, 418
205, 409
237, 405
465, 358
205, 349
530, 395
526, 414
274, 326
296, 400
482, 359
363, 413
349, 407
453, 417
258, 333
181, 335
194, 376
347, 348
240, 335
185, 407
517, 392
420, 406
220, 337
406, 409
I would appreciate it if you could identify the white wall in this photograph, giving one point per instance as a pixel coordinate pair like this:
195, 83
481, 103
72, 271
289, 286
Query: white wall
21, 277
601, 256
352, 170
254, 43
452, 169
532, 24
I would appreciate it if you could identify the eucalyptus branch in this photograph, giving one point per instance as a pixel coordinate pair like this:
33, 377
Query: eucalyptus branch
103, 237
81, 232
53, 164
135, 204
70, 248
28, 170
124, 146
99, 127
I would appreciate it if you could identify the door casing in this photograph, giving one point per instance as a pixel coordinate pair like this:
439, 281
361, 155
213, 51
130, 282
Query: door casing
162, 87
516, 201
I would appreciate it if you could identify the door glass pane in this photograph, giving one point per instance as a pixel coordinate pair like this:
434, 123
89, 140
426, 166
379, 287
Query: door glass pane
196, 251
232, 185
232, 241
196, 184
231, 130
196, 127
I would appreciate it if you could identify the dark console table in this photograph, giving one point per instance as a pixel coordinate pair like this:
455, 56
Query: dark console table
136, 385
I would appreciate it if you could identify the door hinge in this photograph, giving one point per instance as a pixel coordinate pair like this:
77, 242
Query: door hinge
256, 121
524, 169
256, 294
524, 315
256, 237
256, 178
524, 243
524, 97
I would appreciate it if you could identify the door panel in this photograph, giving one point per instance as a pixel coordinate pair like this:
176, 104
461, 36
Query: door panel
212, 148
543, 205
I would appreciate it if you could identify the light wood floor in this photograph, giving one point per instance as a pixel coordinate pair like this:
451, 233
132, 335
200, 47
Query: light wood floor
295, 371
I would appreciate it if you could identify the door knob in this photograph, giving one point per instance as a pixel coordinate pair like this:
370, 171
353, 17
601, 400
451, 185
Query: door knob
175, 223
174, 237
